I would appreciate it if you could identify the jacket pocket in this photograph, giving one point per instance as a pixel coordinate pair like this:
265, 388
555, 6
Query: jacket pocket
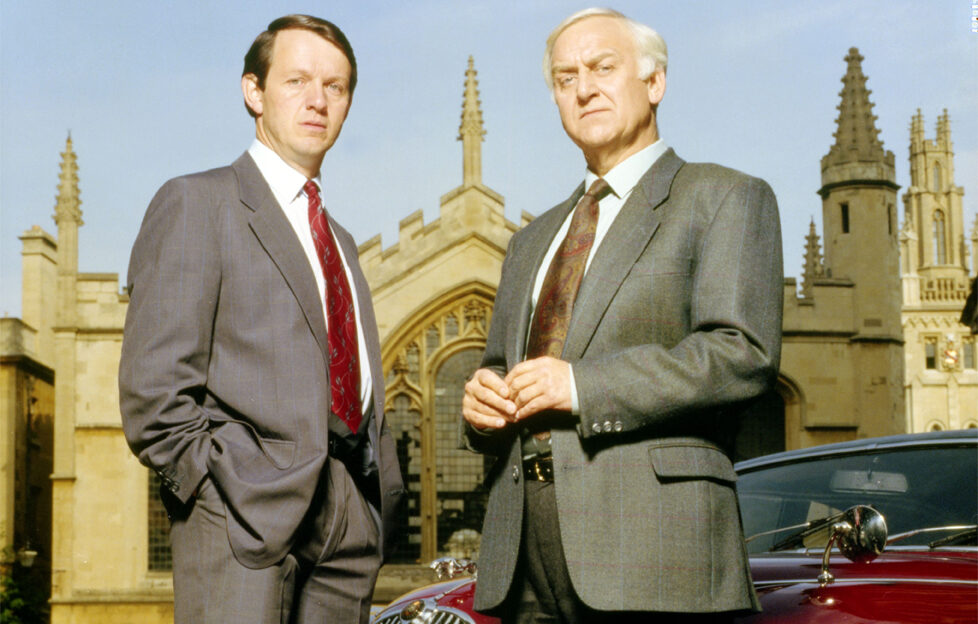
674, 461
242, 441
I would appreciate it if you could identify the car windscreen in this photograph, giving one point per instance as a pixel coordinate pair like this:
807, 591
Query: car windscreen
913, 487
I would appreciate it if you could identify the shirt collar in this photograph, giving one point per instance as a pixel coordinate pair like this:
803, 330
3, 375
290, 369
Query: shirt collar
286, 183
626, 174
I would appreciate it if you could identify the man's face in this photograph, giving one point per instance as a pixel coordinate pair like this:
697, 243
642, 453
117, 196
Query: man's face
305, 100
604, 107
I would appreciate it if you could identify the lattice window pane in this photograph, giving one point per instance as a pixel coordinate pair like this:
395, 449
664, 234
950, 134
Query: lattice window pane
404, 426
461, 496
158, 530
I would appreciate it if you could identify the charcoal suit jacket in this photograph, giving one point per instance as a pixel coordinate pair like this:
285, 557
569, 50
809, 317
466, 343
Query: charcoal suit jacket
677, 324
225, 367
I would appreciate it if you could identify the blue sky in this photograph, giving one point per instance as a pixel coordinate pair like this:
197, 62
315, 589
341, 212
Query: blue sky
150, 90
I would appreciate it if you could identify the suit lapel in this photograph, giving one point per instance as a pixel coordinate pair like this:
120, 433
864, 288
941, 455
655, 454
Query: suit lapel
275, 233
621, 247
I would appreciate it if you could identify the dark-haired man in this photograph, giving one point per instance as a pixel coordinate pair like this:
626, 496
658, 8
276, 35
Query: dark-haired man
250, 378
631, 324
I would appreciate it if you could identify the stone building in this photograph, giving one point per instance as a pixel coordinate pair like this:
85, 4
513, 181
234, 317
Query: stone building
842, 359
842, 374
941, 371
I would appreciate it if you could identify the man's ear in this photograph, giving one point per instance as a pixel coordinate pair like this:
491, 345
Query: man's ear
657, 87
253, 95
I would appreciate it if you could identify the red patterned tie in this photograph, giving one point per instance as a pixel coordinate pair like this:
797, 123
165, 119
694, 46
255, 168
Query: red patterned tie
344, 365
556, 301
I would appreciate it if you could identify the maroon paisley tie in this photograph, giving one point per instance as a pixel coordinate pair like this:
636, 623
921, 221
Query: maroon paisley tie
556, 301
344, 366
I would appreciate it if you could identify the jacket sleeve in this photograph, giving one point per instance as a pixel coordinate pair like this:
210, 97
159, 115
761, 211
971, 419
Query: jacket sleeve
173, 282
732, 350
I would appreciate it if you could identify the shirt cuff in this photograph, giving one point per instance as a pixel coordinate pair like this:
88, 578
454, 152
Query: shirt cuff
575, 406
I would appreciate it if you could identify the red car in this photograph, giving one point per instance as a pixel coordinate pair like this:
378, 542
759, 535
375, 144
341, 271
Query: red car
875, 530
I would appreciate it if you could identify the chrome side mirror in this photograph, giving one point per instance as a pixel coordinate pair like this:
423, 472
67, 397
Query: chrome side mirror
860, 533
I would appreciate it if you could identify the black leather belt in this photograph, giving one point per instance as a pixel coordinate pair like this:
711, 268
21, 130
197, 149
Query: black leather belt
539, 468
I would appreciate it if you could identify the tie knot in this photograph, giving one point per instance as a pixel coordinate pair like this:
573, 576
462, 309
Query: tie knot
599, 188
311, 189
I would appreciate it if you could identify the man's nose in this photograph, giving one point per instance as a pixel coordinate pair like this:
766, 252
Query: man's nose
586, 86
316, 97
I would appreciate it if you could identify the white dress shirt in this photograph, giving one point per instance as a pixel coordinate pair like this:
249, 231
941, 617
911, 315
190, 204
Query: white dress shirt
622, 179
286, 184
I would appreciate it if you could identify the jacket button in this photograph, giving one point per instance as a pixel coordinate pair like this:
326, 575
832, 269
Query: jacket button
607, 426
618, 426
516, 474
596, 428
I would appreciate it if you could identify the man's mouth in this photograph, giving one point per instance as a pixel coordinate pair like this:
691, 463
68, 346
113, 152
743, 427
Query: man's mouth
589, 113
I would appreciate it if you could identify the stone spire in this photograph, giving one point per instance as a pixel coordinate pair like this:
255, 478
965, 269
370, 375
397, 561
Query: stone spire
944, 131
813, 267
68, 206
917, 132
856, 137
471, 131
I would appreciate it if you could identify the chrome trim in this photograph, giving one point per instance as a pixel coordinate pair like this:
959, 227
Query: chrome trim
964, 437
876, 581
431, 613
906, 534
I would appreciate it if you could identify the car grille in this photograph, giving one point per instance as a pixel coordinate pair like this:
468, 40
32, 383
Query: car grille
438, 617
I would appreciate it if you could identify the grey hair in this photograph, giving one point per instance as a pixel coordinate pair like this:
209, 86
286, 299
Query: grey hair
651, 47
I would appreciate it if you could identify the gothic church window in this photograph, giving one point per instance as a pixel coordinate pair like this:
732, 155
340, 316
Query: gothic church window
936, 181
968, 349
845, 218
427, 364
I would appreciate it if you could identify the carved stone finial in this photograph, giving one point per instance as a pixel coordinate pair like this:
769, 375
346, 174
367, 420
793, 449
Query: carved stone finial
400, 366
68, 206
813, 267
471, 130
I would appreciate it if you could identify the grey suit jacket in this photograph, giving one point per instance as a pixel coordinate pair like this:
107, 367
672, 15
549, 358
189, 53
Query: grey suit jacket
225, 368
676, 325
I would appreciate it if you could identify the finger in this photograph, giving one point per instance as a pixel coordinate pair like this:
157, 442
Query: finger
494, 403
536, 405
491, 400
525, 370
479, 417
491, 380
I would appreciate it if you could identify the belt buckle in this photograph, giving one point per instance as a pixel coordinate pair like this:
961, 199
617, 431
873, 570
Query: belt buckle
538, 469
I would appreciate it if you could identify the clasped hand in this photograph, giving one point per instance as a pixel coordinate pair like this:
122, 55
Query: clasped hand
529, 388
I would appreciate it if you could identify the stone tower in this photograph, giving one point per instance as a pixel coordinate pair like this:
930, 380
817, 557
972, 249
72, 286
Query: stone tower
942, 374
935, 253
861, 245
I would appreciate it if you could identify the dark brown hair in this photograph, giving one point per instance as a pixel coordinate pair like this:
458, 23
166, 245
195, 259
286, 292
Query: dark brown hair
259, 56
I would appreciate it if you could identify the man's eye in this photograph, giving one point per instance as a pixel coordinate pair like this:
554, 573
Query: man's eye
336, 88
294, 81
565, 81
605, 69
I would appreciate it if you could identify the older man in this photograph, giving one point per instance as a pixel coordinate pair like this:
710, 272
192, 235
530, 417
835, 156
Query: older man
632, 324
250, 378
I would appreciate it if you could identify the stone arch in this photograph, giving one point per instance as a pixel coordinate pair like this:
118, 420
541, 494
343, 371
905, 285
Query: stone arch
793, 396
425, 361
767, 423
